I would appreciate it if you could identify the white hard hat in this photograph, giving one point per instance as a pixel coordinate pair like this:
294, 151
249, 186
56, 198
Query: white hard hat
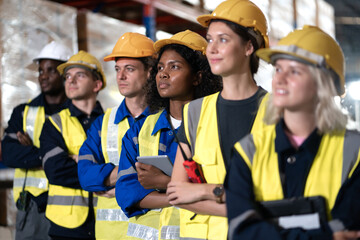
54, 51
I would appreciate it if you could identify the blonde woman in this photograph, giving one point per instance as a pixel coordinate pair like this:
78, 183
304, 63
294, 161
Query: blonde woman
307, 153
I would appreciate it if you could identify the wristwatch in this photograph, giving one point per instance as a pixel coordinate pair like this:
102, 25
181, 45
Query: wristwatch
219, 192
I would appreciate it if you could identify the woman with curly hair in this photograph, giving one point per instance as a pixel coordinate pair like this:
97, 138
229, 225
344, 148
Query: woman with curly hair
180, 75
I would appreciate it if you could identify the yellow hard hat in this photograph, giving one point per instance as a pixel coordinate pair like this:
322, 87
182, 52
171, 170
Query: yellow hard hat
85, 59
187, 38
312, 45
242, 12
133, 45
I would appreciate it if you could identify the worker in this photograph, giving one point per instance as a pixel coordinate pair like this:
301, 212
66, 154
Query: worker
70, 209
21, 144
99, 155
307, 151
180, 75
211, 126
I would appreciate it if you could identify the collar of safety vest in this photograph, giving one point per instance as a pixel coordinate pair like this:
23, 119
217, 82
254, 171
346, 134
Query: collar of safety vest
282, 143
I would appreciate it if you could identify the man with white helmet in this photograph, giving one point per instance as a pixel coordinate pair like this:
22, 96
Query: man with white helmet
21, 144
71, 209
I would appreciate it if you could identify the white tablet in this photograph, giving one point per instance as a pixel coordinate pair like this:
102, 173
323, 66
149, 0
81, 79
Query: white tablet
162, 162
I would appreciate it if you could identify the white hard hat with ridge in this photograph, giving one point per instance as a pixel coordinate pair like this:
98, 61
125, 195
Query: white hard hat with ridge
54, 51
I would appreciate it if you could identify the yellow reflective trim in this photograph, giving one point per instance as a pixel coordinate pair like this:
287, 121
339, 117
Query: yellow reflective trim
238, 148
148, 143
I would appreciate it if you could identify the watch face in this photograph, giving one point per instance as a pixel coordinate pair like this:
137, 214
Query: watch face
218, 191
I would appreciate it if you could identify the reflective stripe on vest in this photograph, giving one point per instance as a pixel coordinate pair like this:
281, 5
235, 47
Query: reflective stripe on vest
31, 182
201, 130
335, 161
168, 218
142, 231
111, 222
68, 207
113, 134
36, 181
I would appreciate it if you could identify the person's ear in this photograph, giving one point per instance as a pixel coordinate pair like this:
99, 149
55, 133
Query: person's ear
197, 79
98, 85
249, 48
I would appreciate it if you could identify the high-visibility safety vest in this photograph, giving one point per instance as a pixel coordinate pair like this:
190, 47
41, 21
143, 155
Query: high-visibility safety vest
36, 181
163, 222
336, 159
111, 222
68, 207
202, 133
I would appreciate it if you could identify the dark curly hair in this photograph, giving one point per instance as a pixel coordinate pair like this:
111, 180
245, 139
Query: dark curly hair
209, 83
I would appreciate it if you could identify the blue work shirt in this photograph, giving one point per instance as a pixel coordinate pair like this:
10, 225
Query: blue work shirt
92, 169
240, 193
129, 191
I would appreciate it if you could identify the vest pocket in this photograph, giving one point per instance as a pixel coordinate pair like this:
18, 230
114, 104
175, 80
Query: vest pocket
195, 227
207, 158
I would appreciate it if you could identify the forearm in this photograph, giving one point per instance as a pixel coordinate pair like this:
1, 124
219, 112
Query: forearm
110, 180
16, 155
59, 167
154, 200
206, 207
92, 176
62, 171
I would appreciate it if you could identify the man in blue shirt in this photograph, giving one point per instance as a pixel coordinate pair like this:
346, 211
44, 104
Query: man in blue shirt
100, 153
70, 209
20, 144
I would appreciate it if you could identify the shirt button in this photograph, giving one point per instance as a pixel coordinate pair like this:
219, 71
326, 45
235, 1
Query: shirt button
86, 121
291, 160
170, 133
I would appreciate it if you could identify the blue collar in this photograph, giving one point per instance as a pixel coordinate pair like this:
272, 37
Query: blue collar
162, 122
123, 112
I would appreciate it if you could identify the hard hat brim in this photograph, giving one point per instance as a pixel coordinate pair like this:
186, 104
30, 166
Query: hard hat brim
161, 43
124, 54
204, 20
267, 54
63, 66
36, 60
